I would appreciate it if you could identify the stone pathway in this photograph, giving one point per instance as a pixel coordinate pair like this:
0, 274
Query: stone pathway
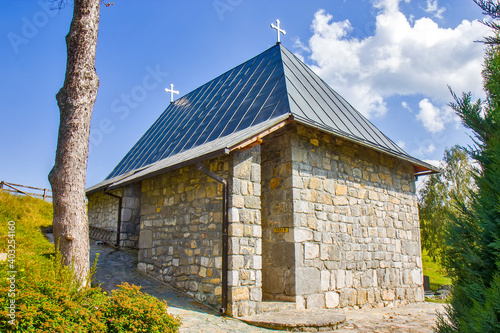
417, 317
115, 267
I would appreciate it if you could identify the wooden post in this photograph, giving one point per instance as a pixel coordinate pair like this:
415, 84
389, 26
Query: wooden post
1, 185
44, 194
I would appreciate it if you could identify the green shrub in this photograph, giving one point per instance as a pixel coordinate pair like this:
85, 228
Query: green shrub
130, 310
47, 299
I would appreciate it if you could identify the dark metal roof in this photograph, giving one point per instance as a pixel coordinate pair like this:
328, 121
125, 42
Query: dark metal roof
223, 112
313, 100
240, 98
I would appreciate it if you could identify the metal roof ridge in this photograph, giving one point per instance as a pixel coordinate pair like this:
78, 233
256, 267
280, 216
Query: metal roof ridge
372, 132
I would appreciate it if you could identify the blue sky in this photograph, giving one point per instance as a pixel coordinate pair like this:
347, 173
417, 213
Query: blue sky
391, 59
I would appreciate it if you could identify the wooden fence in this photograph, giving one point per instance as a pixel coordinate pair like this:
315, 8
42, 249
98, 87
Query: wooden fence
43, 193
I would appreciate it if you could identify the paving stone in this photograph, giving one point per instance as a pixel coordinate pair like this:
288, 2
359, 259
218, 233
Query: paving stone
299, 320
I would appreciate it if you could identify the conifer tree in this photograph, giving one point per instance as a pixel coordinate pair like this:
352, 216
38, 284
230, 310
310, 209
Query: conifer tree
473, 254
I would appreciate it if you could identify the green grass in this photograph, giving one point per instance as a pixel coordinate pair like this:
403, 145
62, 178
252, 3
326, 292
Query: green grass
31, 216
436, 273
47, 297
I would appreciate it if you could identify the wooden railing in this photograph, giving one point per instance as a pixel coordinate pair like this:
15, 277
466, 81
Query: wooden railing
43, 193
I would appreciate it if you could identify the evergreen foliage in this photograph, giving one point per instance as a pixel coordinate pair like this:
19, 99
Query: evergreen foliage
473, 254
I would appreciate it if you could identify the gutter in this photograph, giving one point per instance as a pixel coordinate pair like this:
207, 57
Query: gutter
199, 166
119, 227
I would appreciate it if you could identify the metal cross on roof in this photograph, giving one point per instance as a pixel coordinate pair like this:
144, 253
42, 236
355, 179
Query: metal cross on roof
172, 92
277, 27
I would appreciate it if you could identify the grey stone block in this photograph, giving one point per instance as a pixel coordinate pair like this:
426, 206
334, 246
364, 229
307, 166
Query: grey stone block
315, 301
308, 280
146, 239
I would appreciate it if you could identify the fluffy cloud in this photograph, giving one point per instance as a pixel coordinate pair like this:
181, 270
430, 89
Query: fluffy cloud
436, 163
426, 149
433, 8
434, 118
400, 58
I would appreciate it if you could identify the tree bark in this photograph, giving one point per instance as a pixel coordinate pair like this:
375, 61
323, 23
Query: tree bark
76, 101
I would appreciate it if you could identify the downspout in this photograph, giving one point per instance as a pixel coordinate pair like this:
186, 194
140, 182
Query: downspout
223, 308
119, 227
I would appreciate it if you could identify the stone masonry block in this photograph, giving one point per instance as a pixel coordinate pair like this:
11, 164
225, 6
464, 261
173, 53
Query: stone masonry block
235, 229
256, 294
255, 173
257, 262
307, 280
145, 239
243, 170
311, 251
315, 301
234, 215
252, 202
239, 294
302, 235
325, 280
332, 299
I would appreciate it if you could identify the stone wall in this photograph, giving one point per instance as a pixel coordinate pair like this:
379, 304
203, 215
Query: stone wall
278, 250
355, 222
131, 215
103, 213
312, 218
103, 210
181, 230
245, 233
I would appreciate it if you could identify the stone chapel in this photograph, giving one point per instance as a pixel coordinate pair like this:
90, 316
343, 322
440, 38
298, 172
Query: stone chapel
265, 185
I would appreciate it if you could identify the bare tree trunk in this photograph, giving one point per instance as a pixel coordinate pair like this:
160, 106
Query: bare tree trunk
76, 102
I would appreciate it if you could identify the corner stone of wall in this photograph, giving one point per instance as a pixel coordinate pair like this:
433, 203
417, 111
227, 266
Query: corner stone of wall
278, 248
130, 215
245, 232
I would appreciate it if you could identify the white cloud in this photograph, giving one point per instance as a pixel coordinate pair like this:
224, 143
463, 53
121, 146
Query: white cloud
406, 106
433, 8
401, 144
434, 118
399, 59
436, 163
427, 149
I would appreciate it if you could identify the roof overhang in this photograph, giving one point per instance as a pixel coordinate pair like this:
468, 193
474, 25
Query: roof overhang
421, 168
239, 140
245, 139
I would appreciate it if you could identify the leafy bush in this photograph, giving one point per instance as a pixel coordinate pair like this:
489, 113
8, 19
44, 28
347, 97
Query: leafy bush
47, 299
130, 310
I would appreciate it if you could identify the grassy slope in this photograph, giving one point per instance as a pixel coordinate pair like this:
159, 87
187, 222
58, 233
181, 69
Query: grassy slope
31, 216
434, 271
48, 300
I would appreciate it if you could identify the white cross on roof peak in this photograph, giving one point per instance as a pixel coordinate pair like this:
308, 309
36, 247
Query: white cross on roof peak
277, 28
172, 92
